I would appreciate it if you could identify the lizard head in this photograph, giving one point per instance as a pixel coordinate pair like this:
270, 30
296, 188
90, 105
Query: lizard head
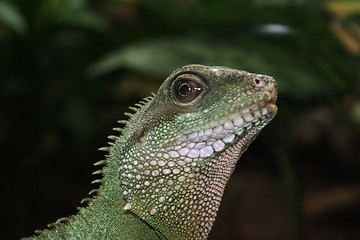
215, 102
185, 144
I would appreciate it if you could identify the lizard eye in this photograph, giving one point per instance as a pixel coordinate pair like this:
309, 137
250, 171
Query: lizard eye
186, 89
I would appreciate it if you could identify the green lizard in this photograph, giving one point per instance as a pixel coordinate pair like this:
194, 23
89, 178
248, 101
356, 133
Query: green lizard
165, 175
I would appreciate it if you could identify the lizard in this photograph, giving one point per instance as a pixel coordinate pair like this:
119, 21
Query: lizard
165, 172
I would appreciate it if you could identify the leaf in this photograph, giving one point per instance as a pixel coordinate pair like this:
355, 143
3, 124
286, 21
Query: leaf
160, 56
11, 17
83, 18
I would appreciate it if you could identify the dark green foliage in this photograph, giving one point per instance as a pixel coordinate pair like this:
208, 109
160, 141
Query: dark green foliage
69, 68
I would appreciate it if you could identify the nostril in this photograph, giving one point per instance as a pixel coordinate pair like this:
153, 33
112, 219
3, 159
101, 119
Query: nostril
258, 82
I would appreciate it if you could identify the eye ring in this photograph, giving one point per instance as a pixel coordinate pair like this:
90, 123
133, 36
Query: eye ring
186, 89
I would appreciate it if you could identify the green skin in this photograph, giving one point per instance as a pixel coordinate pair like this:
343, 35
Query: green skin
166, 173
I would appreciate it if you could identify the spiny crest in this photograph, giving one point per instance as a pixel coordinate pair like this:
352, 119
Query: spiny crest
134, 109
57, 223
138, 107
105, 149
96, 181
85, 201
98, 172
118, 130
94, 191
115, 138
108, 148
101, 162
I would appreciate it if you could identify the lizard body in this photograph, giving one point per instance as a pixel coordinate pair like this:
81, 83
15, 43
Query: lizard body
165, 175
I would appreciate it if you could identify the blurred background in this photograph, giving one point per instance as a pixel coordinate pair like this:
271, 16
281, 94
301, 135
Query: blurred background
70, 68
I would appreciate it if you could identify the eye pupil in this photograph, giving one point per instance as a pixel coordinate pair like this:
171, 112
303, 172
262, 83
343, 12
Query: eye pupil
184, 89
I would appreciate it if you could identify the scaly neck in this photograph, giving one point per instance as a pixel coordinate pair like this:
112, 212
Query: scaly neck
104, 217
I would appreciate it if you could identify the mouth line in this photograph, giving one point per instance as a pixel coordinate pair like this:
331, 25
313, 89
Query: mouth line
266, 110
271, 106
272, 100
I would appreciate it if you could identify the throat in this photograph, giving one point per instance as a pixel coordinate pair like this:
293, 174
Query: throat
178, 196
104, 217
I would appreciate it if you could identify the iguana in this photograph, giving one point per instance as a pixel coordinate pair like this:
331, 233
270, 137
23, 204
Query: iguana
165, 175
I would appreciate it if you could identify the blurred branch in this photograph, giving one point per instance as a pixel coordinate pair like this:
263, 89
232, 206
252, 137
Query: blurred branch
343, 8
291, 185
329, 200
